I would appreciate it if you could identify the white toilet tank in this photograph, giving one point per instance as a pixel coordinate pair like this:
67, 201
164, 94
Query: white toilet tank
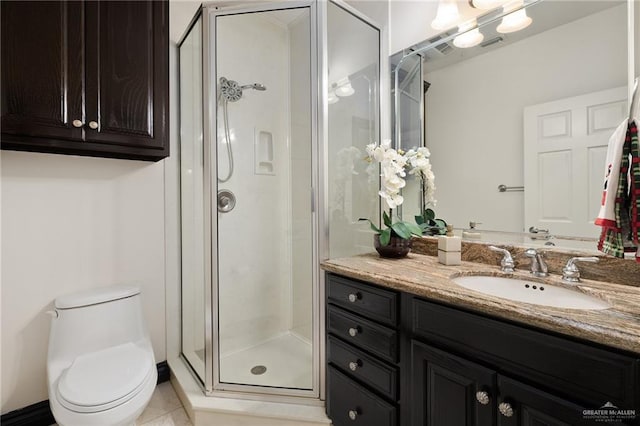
93, 320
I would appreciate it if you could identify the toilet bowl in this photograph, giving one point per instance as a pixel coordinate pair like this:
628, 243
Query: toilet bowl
100, 365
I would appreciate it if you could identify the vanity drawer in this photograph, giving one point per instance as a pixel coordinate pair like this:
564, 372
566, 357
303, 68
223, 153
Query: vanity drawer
373, 337
366, 299
573, 369
378, 375
351, 404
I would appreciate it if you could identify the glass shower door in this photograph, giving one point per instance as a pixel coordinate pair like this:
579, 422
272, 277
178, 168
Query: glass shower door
265, 220
192, 200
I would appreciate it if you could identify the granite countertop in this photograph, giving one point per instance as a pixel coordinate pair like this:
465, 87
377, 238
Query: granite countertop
618, 326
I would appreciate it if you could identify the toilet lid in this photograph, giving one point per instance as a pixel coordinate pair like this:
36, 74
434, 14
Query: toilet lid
104, 379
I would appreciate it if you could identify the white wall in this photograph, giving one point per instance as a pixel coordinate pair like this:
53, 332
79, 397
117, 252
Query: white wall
474, 112
73, 223
403, 15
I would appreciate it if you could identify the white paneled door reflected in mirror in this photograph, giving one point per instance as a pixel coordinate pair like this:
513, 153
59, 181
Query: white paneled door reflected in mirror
531, 109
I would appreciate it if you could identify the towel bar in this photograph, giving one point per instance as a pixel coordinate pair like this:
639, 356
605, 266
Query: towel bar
505, 188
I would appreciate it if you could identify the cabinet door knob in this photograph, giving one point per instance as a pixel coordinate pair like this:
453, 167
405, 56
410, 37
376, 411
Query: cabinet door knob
353, 365
93, 124
77, 123
482, 397
353, 297
353, 331
353, 414
505, 409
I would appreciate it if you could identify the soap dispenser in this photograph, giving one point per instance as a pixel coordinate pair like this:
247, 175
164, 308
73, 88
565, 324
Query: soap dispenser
449, 248
472, 233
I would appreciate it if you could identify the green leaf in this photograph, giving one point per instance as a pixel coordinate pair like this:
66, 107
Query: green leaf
419, 220
429, 214
441, 223
385, 236
413, 229
386, 218
401, 229
374, 228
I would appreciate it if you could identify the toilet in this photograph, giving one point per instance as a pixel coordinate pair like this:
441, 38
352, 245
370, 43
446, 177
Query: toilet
100, 365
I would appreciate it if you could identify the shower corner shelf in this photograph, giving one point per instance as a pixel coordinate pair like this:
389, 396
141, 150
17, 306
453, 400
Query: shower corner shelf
263, 152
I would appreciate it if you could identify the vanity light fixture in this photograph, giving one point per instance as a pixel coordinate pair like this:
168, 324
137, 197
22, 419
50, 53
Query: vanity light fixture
471, 35
343, 88
332, 98
447, 15
515, 18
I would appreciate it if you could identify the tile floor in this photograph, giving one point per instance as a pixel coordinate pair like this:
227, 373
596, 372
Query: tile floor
164, 409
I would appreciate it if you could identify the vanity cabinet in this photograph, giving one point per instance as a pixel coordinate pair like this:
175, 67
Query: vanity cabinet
456, 367
362, 354
86, 78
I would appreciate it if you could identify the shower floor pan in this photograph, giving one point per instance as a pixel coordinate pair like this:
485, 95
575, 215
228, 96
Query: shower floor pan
284, 361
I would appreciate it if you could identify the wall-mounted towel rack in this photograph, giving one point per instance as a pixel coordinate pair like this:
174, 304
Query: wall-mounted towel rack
505, 188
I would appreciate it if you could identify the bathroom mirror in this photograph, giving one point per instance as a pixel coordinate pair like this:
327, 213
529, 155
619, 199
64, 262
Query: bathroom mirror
528, 112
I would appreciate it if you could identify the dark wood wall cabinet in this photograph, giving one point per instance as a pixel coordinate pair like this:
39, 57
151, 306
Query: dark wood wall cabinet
398, 359
86, 78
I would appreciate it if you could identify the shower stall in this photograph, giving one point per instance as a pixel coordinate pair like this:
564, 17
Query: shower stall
277, 104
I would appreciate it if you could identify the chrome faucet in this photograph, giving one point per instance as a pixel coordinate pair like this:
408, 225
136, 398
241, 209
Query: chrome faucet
538, 265
571, 273
506, 263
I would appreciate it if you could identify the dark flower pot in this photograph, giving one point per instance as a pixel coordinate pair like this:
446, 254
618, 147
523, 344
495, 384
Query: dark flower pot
397, 247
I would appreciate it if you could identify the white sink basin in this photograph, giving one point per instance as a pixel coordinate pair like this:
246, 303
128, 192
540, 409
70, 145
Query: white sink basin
531, 292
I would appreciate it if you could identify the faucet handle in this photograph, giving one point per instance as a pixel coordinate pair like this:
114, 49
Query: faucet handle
571, 273
531, 252
507, 262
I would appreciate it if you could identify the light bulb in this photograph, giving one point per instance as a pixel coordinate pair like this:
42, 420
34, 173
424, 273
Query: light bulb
470, 38
447, 15
514, 21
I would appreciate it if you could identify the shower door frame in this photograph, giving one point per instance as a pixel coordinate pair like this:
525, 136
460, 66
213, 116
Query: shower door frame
213, 386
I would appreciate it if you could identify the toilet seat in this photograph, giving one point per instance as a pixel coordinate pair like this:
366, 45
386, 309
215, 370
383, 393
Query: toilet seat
101, 380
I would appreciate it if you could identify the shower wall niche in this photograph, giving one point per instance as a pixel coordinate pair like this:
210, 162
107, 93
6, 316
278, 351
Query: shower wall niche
271, 184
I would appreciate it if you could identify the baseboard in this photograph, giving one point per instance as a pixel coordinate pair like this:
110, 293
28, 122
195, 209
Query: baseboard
39, 414
164, 373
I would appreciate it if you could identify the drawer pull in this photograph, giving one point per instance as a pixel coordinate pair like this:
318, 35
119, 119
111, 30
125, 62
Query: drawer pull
353, 331
505, 409
353, 414
353, 365
353, 297
482, 397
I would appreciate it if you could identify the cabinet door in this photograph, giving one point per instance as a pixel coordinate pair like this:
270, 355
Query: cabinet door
450, 391
42, 70
127, 73
524, 405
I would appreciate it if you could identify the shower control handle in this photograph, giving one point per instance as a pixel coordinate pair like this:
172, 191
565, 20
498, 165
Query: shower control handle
353, 331
353, 414
353, 297
353, 365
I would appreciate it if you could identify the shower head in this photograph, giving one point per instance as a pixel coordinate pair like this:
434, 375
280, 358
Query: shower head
231, 91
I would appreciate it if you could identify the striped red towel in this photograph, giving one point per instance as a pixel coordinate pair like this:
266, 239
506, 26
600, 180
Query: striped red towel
620, 214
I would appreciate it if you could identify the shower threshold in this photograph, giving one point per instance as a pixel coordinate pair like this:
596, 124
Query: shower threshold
207, 410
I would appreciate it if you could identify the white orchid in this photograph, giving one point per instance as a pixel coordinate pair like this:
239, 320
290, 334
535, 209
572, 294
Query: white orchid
393, 168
